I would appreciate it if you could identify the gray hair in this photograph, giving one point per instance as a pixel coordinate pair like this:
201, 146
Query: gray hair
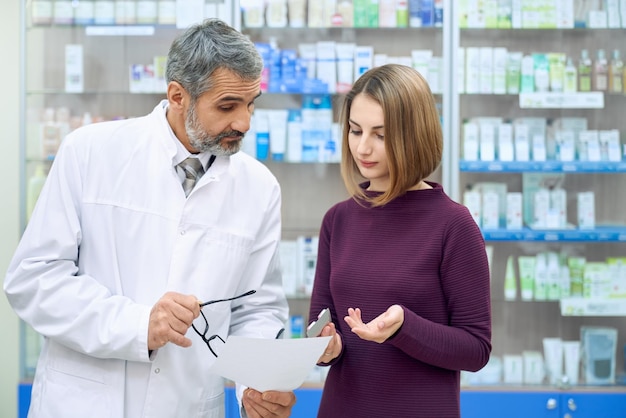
206, 47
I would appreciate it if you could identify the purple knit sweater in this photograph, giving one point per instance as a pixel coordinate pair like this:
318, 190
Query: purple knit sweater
424, 252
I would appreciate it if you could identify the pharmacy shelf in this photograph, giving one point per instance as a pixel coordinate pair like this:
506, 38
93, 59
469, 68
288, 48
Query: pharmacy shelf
544, 166
600, 234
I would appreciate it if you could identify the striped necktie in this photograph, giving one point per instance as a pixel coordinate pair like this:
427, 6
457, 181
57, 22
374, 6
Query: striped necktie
193, 171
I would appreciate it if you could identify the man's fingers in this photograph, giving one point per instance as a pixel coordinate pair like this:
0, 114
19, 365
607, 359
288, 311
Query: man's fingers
280, 398
170, 319
180, 340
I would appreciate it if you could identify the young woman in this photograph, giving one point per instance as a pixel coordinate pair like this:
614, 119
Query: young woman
401, 266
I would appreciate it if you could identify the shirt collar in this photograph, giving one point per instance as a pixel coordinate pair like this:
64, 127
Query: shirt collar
181, 152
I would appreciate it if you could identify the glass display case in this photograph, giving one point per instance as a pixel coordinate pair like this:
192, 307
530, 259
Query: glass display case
540, 162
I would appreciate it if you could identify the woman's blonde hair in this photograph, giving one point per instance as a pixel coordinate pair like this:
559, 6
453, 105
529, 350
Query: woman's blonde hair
413, 135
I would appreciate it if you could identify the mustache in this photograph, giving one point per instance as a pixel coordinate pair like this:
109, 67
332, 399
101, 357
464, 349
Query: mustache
236, 134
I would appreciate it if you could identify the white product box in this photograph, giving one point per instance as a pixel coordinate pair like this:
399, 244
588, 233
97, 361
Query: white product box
487, 142
610, 147
380, 60
534, 371
475, 14
307, 260
74, 75
505, 142
473, 201
461, 71
326, 67
472, 70
516, 14
514, 210
539, 147
513, 369
586, 210
289, 266
363, 59
491, 210
590, 141
421, 61
470, 141
597, 19
557, 214
435, 75
612, 11
499, 70
486, 70
566, 145
84, 13
522, 145
564, 14
541, 206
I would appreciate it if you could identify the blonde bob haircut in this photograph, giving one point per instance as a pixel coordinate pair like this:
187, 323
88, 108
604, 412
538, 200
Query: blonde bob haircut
413, 135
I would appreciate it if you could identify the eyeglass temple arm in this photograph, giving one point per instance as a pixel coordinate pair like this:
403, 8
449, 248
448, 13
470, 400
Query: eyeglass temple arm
248, 293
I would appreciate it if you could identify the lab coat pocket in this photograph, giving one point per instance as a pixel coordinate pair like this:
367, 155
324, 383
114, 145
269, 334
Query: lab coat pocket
213, 407
72, 375
208, 262
228, 254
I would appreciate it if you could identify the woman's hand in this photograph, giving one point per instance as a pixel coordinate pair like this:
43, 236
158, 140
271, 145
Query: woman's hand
333, 349
378, 329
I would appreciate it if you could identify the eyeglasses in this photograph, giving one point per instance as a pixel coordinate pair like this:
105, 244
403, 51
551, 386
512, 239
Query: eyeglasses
203, 335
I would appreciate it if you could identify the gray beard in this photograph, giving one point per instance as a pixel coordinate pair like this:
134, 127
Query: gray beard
203, 142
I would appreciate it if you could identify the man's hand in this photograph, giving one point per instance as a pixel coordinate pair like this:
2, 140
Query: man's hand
379, 328
272, 403
170, 318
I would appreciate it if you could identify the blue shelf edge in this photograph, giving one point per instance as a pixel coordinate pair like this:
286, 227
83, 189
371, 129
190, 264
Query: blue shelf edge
543, 166
600, 234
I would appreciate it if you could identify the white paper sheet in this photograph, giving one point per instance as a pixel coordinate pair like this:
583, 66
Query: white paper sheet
267, 364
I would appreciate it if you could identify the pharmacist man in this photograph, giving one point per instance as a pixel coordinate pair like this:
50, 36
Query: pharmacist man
116, 258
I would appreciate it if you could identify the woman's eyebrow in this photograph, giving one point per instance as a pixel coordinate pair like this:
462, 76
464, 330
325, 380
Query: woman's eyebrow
373, 127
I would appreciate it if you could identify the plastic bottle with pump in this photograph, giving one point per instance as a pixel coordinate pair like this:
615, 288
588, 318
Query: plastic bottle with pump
570, 77
616, 73
584, 71
600, 79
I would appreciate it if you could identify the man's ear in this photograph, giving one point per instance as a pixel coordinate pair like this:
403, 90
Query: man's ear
176, 95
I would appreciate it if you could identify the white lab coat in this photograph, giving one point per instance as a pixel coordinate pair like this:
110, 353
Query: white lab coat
111, 233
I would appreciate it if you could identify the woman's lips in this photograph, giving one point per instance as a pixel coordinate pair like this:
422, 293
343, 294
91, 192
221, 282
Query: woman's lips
367, 164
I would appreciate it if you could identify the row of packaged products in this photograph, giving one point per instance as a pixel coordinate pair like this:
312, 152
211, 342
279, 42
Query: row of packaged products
591, 360
538, 139
487, 70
